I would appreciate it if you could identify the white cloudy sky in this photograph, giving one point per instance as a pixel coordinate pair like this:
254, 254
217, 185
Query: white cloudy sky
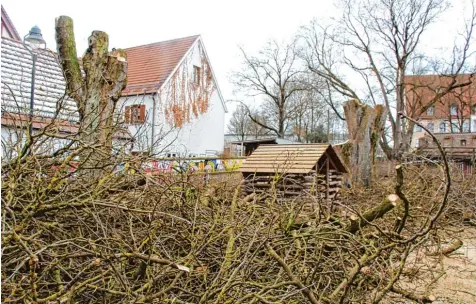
223, 24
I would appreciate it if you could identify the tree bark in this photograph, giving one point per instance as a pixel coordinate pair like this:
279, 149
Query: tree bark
365, 127
68, 58
98, 89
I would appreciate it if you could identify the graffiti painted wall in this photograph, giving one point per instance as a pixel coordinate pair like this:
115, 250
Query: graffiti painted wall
193, 165
208, 165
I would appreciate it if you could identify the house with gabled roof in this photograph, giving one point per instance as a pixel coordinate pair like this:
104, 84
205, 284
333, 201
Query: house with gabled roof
172, 105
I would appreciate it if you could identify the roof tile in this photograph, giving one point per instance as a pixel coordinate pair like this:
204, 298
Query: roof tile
148, 68
151, 64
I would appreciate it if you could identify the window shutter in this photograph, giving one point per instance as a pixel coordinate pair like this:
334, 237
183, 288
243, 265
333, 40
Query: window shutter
127, 116
142, 113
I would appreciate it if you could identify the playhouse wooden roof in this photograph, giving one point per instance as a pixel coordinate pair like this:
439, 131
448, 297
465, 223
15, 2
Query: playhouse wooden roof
300, 158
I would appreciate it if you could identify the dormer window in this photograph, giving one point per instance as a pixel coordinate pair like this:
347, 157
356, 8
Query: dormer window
196, 75
454, 109
430, 111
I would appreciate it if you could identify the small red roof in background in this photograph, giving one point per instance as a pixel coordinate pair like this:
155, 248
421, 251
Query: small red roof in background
150, 65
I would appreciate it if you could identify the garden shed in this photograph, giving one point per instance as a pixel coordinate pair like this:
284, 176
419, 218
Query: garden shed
294, 170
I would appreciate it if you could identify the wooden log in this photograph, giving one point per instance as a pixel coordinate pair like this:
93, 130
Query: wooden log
372, 214
450, 249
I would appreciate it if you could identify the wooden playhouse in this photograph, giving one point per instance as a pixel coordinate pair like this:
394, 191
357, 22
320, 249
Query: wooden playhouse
294, 170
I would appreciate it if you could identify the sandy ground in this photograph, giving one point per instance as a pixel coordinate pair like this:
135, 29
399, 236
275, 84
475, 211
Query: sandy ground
458, 285
453, 277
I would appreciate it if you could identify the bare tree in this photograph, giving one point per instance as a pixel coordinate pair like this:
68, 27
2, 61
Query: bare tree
378, 42
273, 75
309, 116
240, 123
243, 126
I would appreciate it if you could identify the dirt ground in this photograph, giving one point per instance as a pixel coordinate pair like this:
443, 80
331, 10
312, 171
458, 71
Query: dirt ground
453, 276
458, 284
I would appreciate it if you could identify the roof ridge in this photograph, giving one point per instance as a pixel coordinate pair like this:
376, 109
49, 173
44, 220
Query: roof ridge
9, 22
152, 43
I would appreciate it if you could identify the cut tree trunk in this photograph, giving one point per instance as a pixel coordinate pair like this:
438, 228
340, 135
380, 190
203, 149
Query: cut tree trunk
96, 90
365, 126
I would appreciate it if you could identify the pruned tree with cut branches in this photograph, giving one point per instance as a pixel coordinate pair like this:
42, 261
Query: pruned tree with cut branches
97, 90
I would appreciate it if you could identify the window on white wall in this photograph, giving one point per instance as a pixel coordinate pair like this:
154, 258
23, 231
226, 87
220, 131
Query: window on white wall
196, 75
430, 126
466, 126
454, 127
135, 114
442, 127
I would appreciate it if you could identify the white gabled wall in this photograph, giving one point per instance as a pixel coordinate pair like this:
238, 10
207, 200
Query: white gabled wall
202, 135
205, 134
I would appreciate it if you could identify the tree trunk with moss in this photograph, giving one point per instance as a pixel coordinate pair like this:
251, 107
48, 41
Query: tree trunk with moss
365, 126
95, 89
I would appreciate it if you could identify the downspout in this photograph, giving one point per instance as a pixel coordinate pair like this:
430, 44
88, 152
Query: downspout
153, 123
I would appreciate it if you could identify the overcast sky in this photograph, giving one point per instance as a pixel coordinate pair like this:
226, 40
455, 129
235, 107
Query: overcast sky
223, 24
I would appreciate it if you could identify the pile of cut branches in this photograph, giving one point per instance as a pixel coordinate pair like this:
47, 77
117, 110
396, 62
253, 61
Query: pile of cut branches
76, 237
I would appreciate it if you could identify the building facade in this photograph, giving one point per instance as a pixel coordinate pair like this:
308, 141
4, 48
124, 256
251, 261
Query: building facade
441, 112
172, 105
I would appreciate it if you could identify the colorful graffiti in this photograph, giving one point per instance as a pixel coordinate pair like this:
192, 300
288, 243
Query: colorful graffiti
192, 165
172, 166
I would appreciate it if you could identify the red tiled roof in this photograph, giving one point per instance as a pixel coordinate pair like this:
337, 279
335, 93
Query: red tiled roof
150, 65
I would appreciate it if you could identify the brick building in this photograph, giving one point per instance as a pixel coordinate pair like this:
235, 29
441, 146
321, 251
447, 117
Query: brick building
454, 112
